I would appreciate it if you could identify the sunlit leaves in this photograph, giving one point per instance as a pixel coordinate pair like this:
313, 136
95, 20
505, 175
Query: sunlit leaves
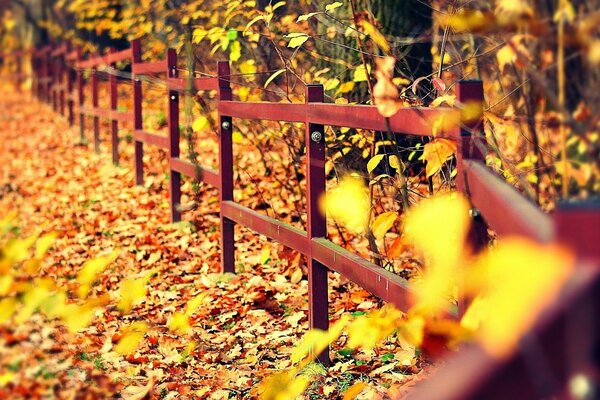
437, 228
283, 385
514, 280
132, 292
131, 337
348, 204
367, 330
90, 271
436, 153
333, 6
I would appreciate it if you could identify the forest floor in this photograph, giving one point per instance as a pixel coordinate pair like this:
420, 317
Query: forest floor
243, 331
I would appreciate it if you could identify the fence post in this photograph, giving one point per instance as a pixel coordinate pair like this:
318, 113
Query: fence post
173, 116
70, 94
62, 70
114, 123
80, 94
137, 113
54, 73
226, 169
470, 145
318, 296
96, 119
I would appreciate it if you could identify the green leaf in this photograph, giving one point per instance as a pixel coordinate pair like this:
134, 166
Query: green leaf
232, 34
275, 75
345, 352
333, 6
374, 162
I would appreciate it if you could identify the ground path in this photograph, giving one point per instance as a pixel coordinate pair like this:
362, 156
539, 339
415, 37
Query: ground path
244, 329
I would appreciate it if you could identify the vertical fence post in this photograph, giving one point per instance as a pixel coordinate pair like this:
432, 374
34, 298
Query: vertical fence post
80, 94
114, 123
70, 94
96, 119
226, 169
137, 114
54, 73
174, 176
318, 297
47, 72
471, 145
62, 71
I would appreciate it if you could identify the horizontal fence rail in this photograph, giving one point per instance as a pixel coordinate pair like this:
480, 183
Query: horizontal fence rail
58, 75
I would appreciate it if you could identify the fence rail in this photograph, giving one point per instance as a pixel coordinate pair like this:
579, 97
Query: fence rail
469, 374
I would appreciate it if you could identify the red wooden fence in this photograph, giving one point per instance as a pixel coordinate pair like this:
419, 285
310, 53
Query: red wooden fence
469, 374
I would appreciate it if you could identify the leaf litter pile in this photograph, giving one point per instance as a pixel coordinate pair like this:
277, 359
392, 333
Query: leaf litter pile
154, 318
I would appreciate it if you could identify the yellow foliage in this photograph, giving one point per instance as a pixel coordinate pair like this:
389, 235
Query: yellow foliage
438, 228
348, 204
132, 292
283, 386
515, 279
436, 153
180, 323
131, 337
90, 270
383, 223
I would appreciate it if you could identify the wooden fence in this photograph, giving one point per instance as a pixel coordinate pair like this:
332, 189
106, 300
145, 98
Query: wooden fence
566, 338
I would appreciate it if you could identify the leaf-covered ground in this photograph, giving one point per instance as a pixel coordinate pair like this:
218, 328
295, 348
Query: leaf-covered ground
244, 329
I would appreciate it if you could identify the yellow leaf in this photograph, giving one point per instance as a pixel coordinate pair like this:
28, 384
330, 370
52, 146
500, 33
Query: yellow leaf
360, 74
374, 162
8, 306
375, 35
132, 292
348, 204
77, 317
235, 51
396, 163
383, 223
200, 124
517, 279
90, 270
333, 6
6, 378
354, 390
131, 337
437, 228
44, 243
436, 153
412, 330
296, 39
367, 330
6, 283
248, 67
265, 254
317, 340
345, 87
193, 304
506, 56
283, 385
179, 323
272, 77
448, 99
55, 305
31, 301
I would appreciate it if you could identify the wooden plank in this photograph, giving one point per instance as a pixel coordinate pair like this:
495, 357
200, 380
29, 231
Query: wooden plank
281, 232
151, 138
180, 84
411, 121
504, 209
262, 110
106, 59
382, 283
149, 67
206, 175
